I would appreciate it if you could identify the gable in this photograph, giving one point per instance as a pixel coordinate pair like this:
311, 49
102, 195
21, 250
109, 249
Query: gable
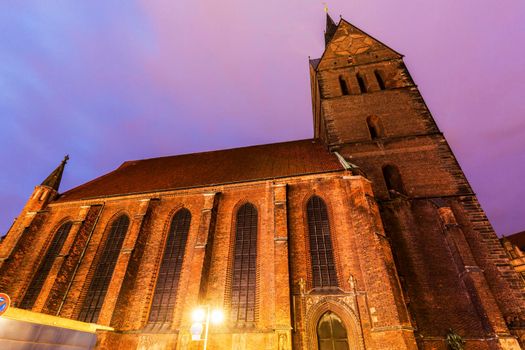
353, 46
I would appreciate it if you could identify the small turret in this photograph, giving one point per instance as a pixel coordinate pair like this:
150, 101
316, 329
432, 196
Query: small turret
42, 195
48, 190
53, 180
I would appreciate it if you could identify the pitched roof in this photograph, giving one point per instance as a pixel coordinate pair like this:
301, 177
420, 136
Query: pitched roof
518, 239
315, 62
210, 168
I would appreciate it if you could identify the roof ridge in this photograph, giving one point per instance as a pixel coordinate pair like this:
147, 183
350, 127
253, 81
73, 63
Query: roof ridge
220, 150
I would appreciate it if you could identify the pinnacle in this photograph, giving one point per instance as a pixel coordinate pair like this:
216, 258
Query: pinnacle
54, 179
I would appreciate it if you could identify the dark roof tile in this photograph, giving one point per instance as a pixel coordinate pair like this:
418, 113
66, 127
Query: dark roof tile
210, 168
518, 239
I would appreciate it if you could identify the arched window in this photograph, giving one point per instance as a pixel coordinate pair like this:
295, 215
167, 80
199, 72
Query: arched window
47, 262
374, 127
168, 280
244, 266
331, 333
104, 270
361, 82
379, 79
343, 85
393, 180
321, 252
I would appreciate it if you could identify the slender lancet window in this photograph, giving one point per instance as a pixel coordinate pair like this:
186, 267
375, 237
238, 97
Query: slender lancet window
167, 285
47, 262
393, 180
321, 252
380, 80
244, 266
104, 270
331, 333
361, 82
374, 127
343, 85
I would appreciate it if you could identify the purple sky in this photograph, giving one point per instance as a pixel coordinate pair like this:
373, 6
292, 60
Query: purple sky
108, 82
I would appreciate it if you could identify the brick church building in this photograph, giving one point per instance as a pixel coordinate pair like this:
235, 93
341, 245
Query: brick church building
367, 236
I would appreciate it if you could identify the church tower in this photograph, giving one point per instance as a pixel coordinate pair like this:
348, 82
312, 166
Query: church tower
454, 273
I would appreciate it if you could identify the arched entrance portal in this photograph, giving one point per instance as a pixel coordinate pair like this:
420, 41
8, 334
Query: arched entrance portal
331, 333
341, 318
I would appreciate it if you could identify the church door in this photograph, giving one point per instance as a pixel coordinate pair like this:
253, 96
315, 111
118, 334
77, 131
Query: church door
331, 333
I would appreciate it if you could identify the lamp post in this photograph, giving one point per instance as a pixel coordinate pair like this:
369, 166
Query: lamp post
204, 314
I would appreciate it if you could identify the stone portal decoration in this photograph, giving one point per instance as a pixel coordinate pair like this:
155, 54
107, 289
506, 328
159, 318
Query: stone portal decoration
352, 282
302, 285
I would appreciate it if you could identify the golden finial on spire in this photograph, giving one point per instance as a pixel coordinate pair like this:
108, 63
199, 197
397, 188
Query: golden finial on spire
325, 7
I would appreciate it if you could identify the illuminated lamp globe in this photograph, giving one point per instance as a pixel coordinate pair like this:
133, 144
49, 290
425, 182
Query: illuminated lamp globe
217, 316
198, 315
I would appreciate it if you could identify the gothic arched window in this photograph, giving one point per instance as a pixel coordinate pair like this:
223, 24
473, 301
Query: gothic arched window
321, 251
244, 265
374, 127
331, 333
47, 262
361, 82
380, 80
343, 85
393, 180
104, 270
170, 268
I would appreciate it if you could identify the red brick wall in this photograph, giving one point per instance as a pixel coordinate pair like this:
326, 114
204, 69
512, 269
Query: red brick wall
282, 260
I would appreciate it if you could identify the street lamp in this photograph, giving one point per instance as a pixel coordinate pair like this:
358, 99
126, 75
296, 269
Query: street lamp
204, 314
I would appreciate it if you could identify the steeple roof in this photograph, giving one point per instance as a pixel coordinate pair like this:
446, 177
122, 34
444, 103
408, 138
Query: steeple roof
53, 180
331, 27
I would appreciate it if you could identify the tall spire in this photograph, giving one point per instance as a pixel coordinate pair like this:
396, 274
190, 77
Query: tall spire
53, 180
331, 27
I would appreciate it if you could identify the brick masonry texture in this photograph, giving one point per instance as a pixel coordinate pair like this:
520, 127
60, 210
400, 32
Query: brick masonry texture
454, 275
415, 256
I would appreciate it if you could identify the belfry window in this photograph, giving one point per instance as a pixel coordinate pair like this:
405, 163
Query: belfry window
343, 85
374, 127
166, 288
361, 82
331, 333
47, 262
380, 80
104, 270
244, 266
321, 251
393, 180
